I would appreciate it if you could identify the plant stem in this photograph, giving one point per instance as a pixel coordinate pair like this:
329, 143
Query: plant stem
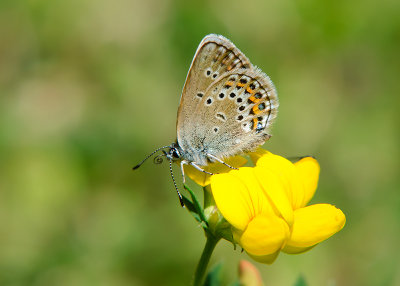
208, 197
205, 259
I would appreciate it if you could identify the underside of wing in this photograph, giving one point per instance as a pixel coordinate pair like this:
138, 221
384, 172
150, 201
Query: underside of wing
234, 115
214, 57
227, 104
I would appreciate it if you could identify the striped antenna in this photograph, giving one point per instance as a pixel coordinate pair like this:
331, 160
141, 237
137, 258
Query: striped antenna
176, 187
152, 153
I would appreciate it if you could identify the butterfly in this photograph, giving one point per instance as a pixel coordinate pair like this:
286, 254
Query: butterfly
226, 108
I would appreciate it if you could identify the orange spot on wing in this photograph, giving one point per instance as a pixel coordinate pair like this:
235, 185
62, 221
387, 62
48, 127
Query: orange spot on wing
256, 110
255, 121
249, 90
254, 99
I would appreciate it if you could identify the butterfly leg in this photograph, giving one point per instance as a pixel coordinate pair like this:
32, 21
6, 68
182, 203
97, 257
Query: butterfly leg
199, 168
219, 160
183, 162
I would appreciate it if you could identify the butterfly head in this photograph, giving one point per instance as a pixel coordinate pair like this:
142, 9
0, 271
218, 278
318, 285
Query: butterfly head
175, 152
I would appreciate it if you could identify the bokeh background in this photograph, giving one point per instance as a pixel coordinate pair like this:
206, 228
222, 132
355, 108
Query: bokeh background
89, 87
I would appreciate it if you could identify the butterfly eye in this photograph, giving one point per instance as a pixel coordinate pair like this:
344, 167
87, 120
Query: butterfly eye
175, 154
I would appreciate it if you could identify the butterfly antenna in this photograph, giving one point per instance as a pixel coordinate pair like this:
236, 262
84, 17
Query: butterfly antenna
158, 159
176, 187
152, 153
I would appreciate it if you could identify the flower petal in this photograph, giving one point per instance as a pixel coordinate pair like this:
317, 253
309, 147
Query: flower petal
260, 152
314, 224
275, 191
308, 170
203, 179
288, 175
296, 250
258, 201
267, 259
264, 235
232, 199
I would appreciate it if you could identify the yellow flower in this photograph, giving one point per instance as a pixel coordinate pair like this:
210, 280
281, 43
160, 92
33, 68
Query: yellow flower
266, 206
203, 179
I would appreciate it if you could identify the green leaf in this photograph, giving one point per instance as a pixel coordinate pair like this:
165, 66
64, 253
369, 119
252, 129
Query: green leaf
300, 281
190, 207
214, 276
197, 207
225, 231
236, 283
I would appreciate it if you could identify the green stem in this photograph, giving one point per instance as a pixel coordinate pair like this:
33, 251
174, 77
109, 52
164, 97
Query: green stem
208, 197
205, 259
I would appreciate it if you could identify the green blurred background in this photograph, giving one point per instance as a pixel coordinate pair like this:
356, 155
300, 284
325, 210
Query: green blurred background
88, 88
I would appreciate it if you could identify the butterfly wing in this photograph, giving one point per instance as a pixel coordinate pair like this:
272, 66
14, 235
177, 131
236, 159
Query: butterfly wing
227, 105
215, 55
